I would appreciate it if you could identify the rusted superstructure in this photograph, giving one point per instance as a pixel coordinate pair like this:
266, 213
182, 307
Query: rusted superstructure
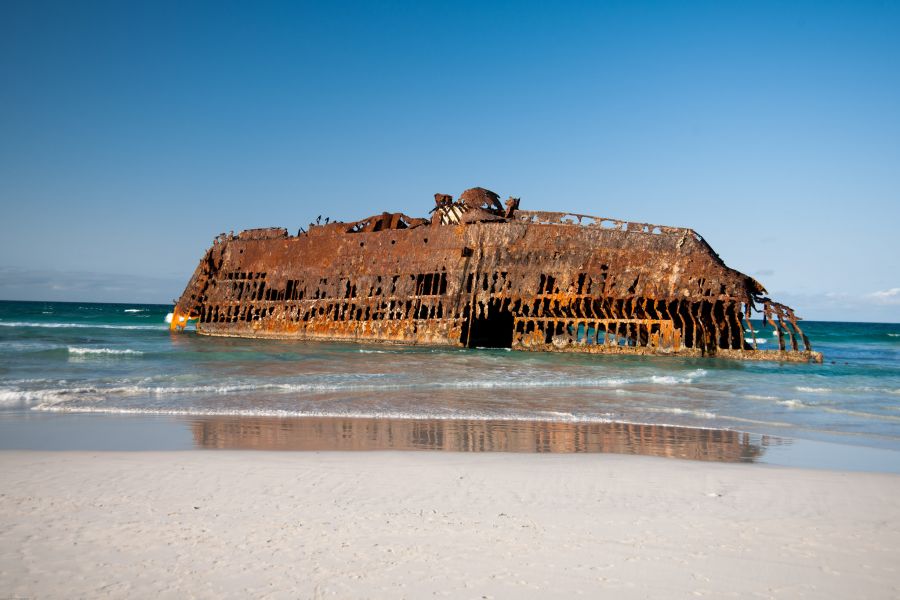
478, 274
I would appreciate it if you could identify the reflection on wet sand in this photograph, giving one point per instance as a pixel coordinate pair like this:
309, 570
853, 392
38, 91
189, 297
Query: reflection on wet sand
337, 433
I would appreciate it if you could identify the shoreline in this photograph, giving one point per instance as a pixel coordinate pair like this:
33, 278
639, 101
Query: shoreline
415, 524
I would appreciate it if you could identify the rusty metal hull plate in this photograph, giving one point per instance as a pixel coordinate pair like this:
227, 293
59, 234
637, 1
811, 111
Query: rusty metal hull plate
480, 276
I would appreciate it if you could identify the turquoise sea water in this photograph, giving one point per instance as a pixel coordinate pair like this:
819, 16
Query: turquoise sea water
77, 358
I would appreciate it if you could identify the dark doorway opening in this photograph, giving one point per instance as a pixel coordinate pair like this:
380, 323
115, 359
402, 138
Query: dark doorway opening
493, 329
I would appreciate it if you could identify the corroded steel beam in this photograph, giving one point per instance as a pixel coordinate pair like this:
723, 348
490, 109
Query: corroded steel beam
479, 274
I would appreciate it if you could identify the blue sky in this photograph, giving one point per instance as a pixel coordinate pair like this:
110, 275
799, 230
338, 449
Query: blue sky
132, 133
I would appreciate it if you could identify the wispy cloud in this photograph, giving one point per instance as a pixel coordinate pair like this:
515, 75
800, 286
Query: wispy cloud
891, 296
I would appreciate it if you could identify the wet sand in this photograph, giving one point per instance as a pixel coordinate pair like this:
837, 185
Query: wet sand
447, 524
482, 435
30, 430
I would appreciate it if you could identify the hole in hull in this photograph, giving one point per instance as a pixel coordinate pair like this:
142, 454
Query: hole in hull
492, 329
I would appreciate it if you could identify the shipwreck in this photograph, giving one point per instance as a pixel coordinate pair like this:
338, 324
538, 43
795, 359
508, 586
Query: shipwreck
481, 274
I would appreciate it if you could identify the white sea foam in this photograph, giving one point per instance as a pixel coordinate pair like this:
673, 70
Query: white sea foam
672, 380
12, 398
674, 410
93, 393
556, 413
894, 334
373, 414
364, 351
135, 310
757, 397
565, 382
95, 351
79, 325
880, 390
380, 414
792, 403
534, 416
488, 384
78, 396
848, 390
758, 340
669, 379
703, 414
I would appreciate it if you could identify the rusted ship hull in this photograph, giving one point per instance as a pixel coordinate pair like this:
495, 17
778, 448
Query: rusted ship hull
483, 277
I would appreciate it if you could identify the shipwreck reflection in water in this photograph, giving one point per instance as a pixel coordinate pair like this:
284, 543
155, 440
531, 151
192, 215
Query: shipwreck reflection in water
358, 434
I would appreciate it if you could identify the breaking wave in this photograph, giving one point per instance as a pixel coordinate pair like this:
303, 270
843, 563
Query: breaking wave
456, 415
793, 404
135, 310
47, 399
98, 351
20, 399
671, 379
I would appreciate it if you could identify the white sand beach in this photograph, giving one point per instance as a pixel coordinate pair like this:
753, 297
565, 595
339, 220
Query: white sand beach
214, 524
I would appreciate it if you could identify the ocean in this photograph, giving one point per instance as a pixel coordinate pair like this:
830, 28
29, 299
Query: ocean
60, 362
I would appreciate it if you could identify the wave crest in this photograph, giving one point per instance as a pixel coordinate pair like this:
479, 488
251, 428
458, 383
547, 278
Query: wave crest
10, 398
100, 351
